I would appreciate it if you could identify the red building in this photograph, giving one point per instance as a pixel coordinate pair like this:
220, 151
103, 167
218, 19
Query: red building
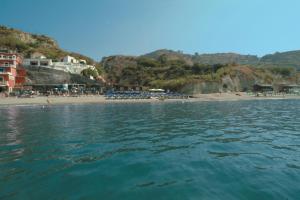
12, 74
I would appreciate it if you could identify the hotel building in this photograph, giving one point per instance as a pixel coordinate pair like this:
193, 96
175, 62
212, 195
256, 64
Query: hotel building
12, 74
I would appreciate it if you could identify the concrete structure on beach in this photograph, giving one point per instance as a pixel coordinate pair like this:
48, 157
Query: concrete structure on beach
276, 88
68, 63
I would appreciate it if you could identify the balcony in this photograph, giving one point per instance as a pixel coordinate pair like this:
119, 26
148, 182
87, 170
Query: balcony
3, 83
8, 73
5, 70
2, 57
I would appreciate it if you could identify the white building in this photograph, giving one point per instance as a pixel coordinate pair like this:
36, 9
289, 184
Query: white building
37, 60
37, 55
67, 64
81, 61
73, 68
69, 59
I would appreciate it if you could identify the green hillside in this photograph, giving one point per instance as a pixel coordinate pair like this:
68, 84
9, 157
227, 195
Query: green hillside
284, 59
26, 44
174, 72
223, 58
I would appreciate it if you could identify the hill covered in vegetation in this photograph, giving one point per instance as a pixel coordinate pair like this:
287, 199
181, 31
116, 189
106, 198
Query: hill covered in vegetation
216, 58
164, 68
27, 43
279, 59
283, 59
182, 72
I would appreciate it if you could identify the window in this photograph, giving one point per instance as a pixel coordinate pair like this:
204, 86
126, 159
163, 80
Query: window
1, 79
33, 63
44, 63
1, 70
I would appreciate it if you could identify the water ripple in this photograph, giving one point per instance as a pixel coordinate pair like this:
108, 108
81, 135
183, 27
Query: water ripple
198, 150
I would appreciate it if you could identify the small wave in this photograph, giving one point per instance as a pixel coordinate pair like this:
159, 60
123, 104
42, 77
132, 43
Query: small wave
223, 154
147, 184
105, 155
283, 147
167, 183
293, 166
170, 148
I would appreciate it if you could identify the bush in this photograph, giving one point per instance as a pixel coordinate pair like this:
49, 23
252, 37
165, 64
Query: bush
283, 71
147, 62
89, 72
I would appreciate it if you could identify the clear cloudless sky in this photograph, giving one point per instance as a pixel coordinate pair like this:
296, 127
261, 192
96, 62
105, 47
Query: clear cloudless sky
100, 28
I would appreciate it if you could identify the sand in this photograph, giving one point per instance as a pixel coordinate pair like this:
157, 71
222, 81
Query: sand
53, 100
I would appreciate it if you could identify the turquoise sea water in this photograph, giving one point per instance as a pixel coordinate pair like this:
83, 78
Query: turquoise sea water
204, 150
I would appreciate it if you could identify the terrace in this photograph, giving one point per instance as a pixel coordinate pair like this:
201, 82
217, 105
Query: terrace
7, 57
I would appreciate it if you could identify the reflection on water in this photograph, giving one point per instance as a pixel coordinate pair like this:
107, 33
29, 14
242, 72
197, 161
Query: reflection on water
205, 150
11, 134
12, 124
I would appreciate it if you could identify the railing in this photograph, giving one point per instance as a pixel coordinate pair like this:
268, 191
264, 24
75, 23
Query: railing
69, 64
7, 58
9, 65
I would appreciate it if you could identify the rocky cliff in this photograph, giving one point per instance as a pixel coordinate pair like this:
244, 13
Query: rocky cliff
51, 76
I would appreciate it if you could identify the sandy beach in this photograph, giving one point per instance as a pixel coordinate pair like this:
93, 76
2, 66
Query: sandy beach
55, 100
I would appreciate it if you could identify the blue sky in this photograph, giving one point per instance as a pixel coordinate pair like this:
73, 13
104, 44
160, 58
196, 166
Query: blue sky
100, 28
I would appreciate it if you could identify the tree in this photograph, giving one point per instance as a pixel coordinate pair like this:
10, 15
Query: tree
89, 72
147, 62
163, 59
201, 69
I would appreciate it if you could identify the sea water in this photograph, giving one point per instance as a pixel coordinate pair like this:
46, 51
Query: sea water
193, 150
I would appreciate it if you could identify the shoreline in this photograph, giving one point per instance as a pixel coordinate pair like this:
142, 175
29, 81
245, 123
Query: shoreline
100, 99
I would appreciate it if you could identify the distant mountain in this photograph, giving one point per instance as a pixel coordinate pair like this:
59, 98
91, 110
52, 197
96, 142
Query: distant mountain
284, 59
223, 58
216, 58
169, 55
156, 54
